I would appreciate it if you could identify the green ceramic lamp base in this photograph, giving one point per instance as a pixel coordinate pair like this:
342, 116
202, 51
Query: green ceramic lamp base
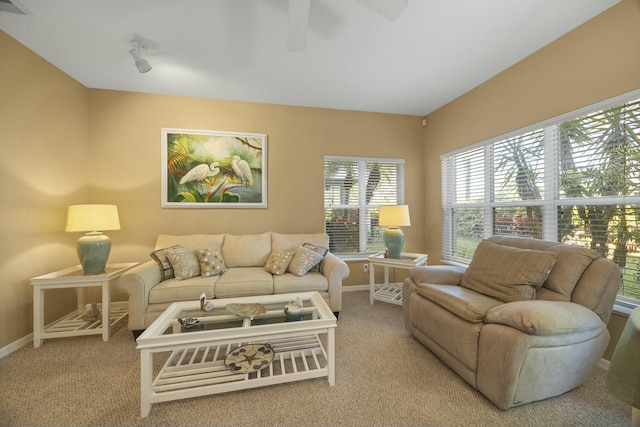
93, 251
394, 242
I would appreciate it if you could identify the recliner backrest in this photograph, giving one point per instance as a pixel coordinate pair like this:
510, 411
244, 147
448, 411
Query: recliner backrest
580, 275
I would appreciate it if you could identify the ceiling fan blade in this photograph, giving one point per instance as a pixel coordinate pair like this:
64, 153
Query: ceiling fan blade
388, 9
298, 22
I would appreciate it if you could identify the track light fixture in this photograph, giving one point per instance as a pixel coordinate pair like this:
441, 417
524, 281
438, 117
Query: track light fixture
141, 63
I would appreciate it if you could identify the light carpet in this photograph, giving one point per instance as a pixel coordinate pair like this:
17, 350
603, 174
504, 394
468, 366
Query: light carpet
384, 377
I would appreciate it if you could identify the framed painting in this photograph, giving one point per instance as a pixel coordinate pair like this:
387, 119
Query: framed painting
211, 169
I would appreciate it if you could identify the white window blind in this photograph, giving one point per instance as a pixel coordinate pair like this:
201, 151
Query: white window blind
574, 179
354, 189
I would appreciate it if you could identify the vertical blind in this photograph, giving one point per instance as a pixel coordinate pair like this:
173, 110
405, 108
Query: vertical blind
354, 189
574, 179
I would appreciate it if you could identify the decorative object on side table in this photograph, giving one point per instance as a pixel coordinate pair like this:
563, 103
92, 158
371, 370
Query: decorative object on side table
93, 314
293, 309
93, 248
394, 217
249, 310
249, 358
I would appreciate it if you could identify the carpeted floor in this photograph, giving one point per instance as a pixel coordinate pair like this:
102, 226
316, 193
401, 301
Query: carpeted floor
384, 377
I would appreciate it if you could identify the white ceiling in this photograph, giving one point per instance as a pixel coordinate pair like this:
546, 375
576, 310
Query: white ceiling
237, 49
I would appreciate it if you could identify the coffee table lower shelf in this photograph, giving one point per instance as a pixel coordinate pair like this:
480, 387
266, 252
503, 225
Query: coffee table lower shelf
199, 371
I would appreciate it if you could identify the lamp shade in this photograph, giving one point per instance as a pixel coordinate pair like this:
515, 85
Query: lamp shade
394, 216
92, 218
94, 247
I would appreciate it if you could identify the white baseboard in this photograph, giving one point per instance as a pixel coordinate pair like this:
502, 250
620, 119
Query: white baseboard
10, 348
355, 288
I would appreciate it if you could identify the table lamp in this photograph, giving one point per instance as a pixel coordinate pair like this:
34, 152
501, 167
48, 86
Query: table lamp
93, 248
394, 217
623, 376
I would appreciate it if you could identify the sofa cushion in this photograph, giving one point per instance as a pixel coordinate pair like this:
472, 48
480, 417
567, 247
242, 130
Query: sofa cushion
278, 262
464, 303
289, 242
244, 281
507, 273
194, 241
184, 262
303, 261
288, 283
544, 317
247, 250
211, 262
173, 290
160, 257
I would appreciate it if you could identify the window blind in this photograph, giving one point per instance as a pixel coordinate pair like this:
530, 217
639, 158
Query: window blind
575, 179
354, 189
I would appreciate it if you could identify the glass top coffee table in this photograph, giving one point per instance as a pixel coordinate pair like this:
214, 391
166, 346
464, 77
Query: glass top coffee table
238, 343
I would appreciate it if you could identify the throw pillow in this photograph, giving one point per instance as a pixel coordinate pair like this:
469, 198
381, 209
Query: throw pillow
278, 262
303, 260
211, 262
160, 256
320, 250
185, 263
506, 273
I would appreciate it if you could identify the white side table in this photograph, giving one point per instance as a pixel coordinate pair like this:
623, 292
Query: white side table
391, 292
73, 324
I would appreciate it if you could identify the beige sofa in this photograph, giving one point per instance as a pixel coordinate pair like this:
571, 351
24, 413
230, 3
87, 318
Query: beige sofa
244, 258
524, 322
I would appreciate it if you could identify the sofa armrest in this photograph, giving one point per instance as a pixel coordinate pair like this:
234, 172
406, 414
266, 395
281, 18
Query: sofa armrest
437, 274
335, 270
137, 282
539, 317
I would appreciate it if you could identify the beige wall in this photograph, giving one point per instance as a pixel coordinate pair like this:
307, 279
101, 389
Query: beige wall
598, 60
45, 134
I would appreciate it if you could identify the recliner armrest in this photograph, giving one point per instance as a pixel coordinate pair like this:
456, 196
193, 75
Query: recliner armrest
540, 317
437, 274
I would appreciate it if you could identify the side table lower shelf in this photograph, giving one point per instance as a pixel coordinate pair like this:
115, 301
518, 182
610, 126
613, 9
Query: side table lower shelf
390, 292
73, 323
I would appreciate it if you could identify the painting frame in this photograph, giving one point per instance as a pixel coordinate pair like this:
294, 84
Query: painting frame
213, 169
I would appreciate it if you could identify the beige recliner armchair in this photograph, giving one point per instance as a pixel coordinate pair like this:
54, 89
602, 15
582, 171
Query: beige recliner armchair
524, 322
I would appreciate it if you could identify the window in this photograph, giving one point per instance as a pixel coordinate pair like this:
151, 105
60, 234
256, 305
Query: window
573, 179
354, 189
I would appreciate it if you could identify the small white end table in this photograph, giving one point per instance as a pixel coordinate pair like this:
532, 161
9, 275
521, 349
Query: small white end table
391, 292
74, 324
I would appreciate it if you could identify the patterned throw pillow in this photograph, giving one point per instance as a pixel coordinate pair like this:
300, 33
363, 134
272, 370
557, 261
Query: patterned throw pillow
160, 256
211, 262
278, 262
303, 260
185, 263
320, 250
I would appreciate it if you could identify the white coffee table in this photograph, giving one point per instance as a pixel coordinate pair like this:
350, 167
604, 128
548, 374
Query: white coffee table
195, 365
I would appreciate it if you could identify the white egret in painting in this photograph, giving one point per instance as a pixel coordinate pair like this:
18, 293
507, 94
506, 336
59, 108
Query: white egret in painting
201, 172
242, 170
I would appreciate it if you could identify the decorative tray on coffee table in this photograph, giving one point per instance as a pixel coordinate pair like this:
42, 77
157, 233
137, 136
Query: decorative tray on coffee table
246, 310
